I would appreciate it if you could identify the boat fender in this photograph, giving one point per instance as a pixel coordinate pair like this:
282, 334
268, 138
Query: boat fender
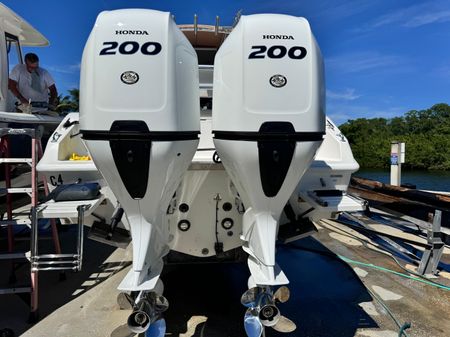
73, 192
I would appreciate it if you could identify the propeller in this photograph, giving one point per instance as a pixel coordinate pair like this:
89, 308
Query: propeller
161, 304
140, 319
284, 324
282, 294
125, 301
147, 315
158, 326
251, 297
269, 315
252, 324
262, 310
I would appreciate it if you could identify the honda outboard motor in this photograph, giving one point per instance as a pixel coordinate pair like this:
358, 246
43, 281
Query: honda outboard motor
139, 116
268, 122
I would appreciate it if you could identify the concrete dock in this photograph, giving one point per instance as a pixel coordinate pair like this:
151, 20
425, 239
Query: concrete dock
328, 296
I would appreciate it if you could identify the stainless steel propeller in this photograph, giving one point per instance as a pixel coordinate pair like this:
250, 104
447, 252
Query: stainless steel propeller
161, 303
147, 314
262, 310
269, 315
252, 324
282, 294
251, 297
284, 324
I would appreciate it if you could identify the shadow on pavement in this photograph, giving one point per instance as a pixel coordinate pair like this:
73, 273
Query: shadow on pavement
324, 296
54, 292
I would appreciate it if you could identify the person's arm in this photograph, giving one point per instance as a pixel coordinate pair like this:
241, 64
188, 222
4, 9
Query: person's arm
50, 82
12, 86
53, 95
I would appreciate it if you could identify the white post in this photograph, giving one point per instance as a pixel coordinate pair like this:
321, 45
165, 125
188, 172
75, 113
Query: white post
397, 158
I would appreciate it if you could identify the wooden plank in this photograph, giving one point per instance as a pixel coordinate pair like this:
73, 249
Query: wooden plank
437, 200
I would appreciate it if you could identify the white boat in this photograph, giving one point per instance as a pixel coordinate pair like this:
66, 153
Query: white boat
258, 164
16, 33
67, 161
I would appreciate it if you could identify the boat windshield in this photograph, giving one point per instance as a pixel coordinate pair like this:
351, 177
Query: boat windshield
13, 51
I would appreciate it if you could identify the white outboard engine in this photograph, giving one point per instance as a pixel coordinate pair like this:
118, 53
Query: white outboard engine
139, 116
268, 122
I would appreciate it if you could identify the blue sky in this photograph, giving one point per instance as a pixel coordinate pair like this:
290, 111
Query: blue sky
382, 58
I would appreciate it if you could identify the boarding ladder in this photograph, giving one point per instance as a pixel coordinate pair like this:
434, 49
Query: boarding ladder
32, 220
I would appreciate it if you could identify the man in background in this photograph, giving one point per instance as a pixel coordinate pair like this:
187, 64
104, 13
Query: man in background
32, 85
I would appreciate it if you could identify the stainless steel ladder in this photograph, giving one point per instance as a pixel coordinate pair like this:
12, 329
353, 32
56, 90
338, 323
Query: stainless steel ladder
36, 152
60, 262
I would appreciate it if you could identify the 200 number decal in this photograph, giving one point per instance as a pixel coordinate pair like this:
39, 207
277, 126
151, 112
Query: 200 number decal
277, 52
130, 48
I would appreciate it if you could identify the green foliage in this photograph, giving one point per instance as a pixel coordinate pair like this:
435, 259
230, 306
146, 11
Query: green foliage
425, 132
69, 103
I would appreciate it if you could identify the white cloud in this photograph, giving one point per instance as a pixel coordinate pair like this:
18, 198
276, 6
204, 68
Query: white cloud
342, 112
324, 10
347, 95
363, 61
414, 16
343, 9
428, 18
64, 69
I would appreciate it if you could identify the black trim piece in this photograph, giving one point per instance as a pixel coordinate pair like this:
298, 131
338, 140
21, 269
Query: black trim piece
272, 136
132, 158
328, 193
275, 156
154, 136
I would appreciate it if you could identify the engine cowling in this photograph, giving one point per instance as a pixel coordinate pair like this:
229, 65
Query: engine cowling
139, 116
268, 122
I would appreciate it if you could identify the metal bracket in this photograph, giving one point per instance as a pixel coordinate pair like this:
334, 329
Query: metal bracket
432, 256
